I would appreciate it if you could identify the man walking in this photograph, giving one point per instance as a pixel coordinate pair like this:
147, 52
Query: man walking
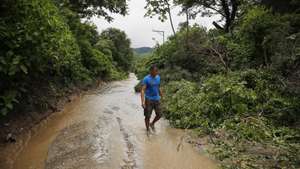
150, 96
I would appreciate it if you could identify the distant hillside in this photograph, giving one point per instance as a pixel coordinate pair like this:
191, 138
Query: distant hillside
143, 50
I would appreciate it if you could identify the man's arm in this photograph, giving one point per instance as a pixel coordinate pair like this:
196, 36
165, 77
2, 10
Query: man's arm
160, 92
143, 95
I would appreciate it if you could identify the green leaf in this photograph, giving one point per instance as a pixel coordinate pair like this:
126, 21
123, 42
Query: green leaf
9, 53
15, 100
36, 34
12, 71
16, 61
10, 106
24, 69
4, 111
2, 60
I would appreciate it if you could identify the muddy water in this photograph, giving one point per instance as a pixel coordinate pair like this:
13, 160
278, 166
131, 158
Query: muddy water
104, 129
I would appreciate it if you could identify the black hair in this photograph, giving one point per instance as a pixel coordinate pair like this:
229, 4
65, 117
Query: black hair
152, 67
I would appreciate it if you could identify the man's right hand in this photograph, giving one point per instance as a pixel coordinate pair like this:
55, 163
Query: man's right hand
144, 105
143, 96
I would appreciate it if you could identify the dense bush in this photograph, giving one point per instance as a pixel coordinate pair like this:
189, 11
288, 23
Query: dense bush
239, 87
249, 107
121, 52
36, 44
187, 51
220, 97
269, 37
95, 61
46, 45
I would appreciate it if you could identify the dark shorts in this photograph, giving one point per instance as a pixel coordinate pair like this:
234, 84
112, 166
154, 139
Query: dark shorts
150, 106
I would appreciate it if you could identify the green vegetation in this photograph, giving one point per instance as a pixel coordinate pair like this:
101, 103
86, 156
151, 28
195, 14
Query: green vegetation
122, 54
48, 49
238, 85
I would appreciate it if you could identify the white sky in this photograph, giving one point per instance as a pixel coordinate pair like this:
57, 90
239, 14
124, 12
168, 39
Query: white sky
139, 29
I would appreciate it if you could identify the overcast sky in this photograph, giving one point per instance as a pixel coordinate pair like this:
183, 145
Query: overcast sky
139, 29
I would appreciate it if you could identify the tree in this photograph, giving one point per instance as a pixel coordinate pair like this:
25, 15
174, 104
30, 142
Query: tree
47, 48
37, 48
161, 8
286, 6
228, 10
122, 53
89, 8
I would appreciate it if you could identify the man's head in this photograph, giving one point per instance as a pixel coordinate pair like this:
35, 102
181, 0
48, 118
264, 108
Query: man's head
153, 70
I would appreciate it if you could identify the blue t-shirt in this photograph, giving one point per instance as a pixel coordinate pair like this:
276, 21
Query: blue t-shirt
152, 87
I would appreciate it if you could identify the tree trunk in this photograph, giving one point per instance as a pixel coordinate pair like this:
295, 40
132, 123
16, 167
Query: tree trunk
187, 29
171, 22
229, 8
225, 7
170, 17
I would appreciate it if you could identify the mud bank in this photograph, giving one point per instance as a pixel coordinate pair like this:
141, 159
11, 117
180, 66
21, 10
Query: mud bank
23, 125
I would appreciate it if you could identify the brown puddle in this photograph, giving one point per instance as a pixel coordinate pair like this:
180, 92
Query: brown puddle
105, 130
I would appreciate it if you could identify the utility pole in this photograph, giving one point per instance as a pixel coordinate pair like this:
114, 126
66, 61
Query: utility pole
162, 33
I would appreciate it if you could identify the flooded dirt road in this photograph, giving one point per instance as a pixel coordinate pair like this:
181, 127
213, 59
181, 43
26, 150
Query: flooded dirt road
104, 129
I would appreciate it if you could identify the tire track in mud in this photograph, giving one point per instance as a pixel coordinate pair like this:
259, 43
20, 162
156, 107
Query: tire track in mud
130, 162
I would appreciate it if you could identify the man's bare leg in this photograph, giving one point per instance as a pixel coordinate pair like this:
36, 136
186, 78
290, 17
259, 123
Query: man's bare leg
157, 117
147, 122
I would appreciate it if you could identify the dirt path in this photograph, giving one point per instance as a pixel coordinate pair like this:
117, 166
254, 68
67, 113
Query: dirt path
104, 130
